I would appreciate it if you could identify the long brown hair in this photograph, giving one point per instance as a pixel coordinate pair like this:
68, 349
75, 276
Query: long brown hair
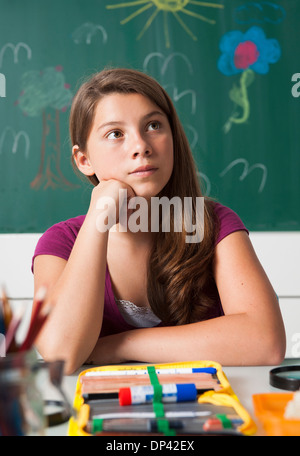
179, 273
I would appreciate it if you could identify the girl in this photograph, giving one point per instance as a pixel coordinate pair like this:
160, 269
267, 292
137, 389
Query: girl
147, 294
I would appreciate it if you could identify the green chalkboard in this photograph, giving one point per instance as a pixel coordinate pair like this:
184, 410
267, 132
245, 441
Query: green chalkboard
231, 67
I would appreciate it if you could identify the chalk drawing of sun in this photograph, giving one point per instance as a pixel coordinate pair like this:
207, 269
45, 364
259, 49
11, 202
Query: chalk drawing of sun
175, 7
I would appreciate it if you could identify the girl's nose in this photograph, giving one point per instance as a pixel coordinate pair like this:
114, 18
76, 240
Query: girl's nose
145, 153
141, 147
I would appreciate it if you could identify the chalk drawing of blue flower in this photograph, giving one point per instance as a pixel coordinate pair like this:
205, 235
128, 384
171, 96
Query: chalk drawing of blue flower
246, 53
247, 50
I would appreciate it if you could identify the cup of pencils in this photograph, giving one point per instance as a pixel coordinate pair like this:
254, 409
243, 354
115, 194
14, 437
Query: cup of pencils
21, 403
22, 406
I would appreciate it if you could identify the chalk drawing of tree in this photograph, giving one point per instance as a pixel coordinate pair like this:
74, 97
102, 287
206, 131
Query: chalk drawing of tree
42, 93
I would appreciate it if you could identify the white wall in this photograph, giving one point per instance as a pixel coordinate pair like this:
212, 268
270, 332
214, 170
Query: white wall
16, 251
279, 253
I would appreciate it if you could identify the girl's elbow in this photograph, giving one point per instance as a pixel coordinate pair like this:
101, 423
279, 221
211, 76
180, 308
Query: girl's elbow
71, 367
279, 352
52, 353
275, 348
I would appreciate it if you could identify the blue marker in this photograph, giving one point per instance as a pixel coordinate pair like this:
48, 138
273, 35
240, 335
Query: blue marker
170, 393
207, 370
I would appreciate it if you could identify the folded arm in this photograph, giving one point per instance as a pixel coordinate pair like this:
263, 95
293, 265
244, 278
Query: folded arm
250, 333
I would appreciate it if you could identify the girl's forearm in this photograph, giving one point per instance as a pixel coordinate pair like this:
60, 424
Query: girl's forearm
231, 340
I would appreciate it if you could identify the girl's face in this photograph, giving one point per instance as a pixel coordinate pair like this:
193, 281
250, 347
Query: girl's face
130, 141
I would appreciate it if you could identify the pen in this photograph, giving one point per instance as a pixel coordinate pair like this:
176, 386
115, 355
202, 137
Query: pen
170, 371
87, 397
131, 425
151, 414
150, 425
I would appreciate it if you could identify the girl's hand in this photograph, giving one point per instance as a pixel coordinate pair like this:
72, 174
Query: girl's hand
109, 201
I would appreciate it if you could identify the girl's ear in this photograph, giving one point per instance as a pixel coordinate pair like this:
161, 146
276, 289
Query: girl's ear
82, 161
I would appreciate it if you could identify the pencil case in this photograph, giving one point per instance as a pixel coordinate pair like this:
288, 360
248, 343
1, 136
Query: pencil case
215, 402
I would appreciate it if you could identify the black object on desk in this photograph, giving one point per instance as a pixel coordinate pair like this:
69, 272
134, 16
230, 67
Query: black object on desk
286, 378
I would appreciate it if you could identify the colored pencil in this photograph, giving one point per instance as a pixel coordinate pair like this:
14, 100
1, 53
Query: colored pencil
35, 329
38, 319
13, 327
7, 312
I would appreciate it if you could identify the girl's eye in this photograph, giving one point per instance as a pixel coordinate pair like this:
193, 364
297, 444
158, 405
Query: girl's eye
116, 134
154, 126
